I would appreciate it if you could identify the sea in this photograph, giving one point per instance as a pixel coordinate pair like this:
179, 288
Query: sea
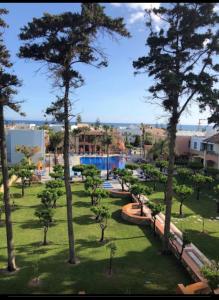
116, 125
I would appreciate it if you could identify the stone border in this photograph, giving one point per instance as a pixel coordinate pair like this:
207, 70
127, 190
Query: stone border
129, 214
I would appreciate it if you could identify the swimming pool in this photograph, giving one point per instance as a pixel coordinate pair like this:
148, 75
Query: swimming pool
101, 162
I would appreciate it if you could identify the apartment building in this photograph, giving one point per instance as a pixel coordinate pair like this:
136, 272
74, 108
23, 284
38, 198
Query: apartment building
206, 149
22, 137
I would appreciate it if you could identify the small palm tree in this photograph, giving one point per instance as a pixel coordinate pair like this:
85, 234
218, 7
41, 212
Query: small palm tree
107, 141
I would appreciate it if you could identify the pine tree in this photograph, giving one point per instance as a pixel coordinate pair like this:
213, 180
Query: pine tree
63, 41
181, 59
8, 84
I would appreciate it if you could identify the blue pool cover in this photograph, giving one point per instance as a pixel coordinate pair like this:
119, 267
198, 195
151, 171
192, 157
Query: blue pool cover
101, 162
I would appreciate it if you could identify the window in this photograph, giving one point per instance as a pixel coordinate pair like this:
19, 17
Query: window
195, 145
211, 147
202, 148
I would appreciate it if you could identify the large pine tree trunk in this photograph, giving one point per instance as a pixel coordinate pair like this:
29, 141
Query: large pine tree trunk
72, 259
9, 232
102, 233
169, 190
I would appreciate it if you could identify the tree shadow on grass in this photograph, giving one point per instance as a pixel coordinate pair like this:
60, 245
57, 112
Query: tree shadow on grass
34, 224
80, 193
84, 244
15, 195
18, 206
82, 204
158, 200
84, 220
116, 215
206, 243
120, 202
136, 272
204, 207
184, 215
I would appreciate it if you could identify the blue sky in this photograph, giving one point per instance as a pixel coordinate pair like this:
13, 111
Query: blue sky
112, 94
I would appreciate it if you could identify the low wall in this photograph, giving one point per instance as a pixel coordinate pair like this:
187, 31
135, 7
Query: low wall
11, 180
192, 259
130, 213
120, 193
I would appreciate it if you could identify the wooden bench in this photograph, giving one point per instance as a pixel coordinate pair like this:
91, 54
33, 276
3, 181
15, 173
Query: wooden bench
200, 287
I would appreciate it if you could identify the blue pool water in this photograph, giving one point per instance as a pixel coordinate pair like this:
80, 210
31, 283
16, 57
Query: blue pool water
101, 162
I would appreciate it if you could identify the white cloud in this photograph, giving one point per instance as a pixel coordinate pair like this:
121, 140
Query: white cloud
157, 28
216, 8
142, 6
155, 17
136, 17
139, 8
206, 41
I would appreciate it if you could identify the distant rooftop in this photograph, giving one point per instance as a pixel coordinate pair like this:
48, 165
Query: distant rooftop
191, 133
213, 139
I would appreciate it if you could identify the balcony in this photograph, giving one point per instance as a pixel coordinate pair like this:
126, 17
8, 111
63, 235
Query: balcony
212, 152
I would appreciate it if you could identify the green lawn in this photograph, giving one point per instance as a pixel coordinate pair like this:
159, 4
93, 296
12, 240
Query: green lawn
138, 267
194, 212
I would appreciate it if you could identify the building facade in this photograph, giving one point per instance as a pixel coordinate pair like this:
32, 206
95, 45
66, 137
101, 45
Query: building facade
30, 138
90, 141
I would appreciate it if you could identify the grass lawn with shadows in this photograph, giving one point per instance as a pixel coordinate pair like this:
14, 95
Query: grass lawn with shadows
138, 266
194, 211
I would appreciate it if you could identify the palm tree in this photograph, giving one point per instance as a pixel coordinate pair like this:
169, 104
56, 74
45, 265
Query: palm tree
159, 149
142, 128
56, 140
107, 141
8, 83
75, 133
84, 130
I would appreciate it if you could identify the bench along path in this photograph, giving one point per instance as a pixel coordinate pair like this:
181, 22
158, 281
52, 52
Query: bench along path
192, 258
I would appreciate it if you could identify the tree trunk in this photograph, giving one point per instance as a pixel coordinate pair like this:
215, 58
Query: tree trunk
181, 253
45, 235
9, 231
54, 204
122, 185
72, 259
141, 205
22, 187
55, 156
180, 208
169, 191
92, 200
102, 234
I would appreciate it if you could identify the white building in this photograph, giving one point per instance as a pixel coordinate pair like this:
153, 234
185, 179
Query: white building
197, 143
57, 127
21, 137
